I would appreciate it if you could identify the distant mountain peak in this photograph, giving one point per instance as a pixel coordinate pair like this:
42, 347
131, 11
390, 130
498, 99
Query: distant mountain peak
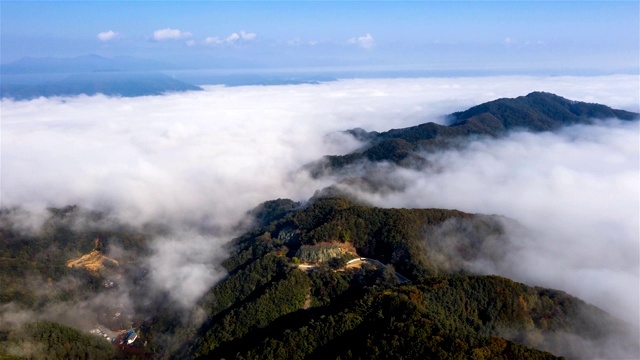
537, 111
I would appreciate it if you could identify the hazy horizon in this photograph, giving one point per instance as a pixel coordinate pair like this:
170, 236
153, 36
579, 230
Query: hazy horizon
515, 36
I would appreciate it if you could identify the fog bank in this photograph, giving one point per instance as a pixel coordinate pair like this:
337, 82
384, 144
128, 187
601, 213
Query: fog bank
205, 158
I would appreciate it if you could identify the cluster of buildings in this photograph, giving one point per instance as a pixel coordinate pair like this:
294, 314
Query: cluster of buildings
127, 337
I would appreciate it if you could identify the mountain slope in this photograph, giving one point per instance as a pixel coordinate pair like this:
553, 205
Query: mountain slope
271, 307
268, 307
537, 111
49, 340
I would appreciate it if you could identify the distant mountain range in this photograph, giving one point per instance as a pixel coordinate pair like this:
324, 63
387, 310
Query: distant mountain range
537, 111
30, 78
107, 83
81, 64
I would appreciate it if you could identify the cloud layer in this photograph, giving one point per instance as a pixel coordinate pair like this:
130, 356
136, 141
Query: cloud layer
576, 193
205, 158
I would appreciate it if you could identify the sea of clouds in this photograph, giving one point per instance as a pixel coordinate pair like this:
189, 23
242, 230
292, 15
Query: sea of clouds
203, 159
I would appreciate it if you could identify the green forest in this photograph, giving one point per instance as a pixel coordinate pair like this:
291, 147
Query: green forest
368, 312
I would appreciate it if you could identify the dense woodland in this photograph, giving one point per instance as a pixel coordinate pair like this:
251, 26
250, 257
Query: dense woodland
50, 340
39, 256
40, 295
367, 312
268, 307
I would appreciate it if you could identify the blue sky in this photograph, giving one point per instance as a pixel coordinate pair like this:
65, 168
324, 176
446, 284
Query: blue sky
510, 35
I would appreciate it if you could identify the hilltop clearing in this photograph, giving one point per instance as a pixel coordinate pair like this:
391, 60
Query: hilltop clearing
93, 261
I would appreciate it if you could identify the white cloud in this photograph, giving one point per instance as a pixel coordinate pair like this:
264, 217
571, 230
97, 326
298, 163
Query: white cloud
300, 42
131, 135
213, 40
208, 157
231, 39
366, 41
191, 43
185, 264
107, 35
170, 34
247, 36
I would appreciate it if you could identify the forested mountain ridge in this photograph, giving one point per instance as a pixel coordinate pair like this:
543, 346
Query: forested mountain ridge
269, 308
535, 112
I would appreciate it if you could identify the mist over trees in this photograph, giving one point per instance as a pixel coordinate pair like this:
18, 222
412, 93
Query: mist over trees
355, 266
